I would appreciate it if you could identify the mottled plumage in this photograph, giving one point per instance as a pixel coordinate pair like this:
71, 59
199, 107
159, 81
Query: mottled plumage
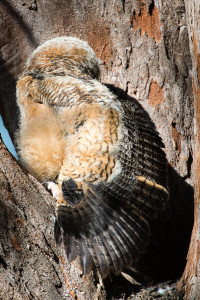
101, 154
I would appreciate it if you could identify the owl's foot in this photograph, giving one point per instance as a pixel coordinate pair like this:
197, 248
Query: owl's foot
53, 188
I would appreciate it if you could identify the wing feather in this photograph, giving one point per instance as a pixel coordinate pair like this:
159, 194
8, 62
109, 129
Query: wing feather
107, 227
85, 257
67, 223
94, 245
102, 234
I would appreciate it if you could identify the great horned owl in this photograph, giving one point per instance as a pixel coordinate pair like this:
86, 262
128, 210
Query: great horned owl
100, 154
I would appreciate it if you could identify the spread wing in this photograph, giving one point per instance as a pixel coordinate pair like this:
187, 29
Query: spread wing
103, 221
105, 235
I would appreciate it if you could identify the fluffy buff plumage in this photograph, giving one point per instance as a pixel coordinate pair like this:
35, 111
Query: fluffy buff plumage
103, 156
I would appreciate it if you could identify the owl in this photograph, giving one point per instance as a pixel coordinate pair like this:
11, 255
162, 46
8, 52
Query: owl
100, 156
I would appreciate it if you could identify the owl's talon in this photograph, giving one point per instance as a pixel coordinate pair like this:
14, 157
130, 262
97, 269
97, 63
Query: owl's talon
52, 188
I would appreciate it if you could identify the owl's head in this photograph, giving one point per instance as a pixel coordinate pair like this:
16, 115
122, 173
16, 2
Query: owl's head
64, 55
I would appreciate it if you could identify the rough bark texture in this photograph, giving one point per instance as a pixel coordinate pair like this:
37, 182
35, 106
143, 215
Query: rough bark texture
31, 266
143, 48
191, 277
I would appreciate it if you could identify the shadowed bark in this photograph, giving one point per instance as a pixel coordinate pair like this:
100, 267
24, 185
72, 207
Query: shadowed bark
190, 281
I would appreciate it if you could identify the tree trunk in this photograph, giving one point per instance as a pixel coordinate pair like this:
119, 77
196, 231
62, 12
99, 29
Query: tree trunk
191, 278
144, 51
31, 267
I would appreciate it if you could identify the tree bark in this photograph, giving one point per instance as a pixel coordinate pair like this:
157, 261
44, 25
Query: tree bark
190, 281
31, 266
145, 52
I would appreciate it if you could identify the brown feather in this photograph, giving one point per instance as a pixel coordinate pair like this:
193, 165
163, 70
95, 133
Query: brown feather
102, 153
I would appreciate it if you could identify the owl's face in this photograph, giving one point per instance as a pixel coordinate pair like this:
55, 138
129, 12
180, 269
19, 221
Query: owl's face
64, 55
